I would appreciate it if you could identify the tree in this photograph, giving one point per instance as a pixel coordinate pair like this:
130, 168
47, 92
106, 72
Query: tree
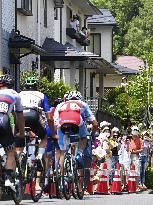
124, 12
139, 38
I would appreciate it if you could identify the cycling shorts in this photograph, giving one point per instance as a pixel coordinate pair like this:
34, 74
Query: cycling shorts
32, 120
83, 132
6, 134
52, 144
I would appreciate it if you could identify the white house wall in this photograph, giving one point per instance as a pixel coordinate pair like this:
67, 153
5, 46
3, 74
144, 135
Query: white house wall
106, 40
28, 26
110, 80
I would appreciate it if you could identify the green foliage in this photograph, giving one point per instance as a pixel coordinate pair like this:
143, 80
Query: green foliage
149, 177
113, 93
52, 89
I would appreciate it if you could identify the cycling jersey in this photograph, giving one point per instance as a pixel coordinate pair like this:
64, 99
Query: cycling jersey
10, 99
33, 99
73, 111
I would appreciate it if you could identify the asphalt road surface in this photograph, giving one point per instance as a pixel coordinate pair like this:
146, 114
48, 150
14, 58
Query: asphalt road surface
145, 198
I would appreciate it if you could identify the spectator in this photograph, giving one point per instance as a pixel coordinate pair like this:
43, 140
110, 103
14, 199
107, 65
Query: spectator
144, 157
84, 32
136, 147
124, 82
124, 157
74, 23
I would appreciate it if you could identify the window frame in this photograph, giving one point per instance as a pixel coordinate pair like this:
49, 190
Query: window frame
26, 7
92, 35
45, 13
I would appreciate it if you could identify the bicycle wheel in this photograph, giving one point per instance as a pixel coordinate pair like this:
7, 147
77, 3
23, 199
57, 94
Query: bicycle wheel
59, 187
19, 186
67, 177
79, 181
37, 181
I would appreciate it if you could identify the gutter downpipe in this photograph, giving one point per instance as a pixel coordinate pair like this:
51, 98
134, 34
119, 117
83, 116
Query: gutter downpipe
1, 37
61, 39
39, 36
17, 67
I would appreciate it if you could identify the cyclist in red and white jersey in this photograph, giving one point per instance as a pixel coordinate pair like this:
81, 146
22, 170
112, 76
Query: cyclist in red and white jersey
74, 111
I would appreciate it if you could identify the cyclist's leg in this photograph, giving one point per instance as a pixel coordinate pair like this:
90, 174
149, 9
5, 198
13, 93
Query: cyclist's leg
7, 141
83, 132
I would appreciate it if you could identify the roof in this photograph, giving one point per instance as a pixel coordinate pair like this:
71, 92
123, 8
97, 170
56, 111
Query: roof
131, 62
87, 7
124, 70
106, 18
56, 51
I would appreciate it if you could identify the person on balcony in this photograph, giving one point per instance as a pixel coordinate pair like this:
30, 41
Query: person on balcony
74, 23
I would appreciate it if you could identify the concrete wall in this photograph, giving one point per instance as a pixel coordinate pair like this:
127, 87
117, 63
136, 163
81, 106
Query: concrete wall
8, 22
110, 80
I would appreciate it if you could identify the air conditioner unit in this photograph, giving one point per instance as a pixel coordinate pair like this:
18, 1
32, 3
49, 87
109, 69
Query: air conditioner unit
58, 3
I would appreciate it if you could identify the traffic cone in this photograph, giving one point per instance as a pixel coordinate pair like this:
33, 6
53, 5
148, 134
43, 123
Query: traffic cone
27, 189
131, 186
90, 186
102, 187
116, 185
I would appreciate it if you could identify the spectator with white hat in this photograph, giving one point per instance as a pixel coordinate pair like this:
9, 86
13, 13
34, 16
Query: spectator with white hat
136, 147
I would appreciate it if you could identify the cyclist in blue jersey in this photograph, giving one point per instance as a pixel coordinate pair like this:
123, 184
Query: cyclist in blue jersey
34, 104
74, 111
10, 99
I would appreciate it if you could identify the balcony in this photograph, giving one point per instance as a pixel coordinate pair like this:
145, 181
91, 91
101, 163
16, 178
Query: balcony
72, 33
25, 7
81, 39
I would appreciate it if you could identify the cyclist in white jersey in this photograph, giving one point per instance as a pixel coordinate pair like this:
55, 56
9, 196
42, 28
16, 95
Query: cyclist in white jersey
10, 99
32, 101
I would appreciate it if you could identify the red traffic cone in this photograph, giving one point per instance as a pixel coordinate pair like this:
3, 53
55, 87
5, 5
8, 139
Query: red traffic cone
102, 187
131, 186
90, 186
27, 189
116, 185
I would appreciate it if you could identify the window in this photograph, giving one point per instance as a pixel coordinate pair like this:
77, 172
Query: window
25, 7
95, 43
45, 13
55, 13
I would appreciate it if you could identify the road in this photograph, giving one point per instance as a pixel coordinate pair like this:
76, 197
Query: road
125, 199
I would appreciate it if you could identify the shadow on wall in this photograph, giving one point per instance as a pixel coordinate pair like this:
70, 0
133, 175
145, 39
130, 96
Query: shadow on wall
103, 116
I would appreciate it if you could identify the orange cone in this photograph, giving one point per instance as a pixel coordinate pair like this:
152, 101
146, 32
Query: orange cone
27, 189
116, 185
102, 187
90, 186
131, 186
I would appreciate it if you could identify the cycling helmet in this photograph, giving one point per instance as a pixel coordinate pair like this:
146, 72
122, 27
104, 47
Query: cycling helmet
6, 80
74, 95
66, 96
31, 82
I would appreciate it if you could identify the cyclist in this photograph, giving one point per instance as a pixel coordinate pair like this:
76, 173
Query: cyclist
34, 103
8, 99
74, 111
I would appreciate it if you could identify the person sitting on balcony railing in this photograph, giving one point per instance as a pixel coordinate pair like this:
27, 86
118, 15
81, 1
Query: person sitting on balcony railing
84, 32
74, 23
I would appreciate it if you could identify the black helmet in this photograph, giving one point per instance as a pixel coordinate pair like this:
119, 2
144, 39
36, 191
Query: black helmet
6, 80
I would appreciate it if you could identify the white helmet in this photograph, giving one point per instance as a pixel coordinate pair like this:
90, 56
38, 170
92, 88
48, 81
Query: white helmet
76, 95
